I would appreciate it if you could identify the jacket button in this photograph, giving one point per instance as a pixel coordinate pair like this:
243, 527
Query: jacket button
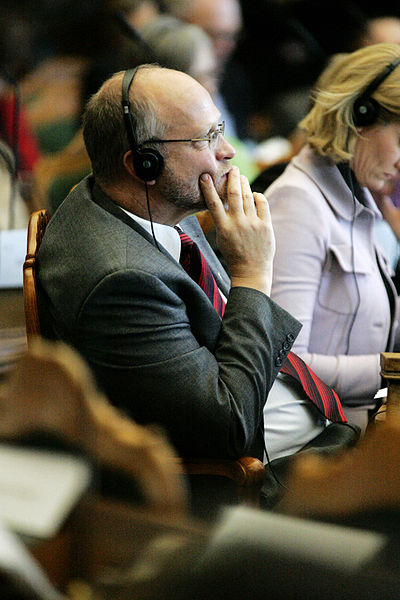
290, 337
278, 361
286, 345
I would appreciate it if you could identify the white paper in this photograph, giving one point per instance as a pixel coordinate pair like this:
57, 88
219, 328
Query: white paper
344, 548
39, 488
20, 566
382, 393
12, 257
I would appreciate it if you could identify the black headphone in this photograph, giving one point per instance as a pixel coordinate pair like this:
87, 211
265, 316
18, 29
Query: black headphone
366, 109
148, 163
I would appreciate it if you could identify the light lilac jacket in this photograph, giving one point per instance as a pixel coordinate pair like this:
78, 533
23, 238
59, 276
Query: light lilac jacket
319, 279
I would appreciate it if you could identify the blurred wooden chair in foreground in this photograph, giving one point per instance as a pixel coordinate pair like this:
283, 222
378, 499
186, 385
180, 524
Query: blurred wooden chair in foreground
51, 391
50, 396
237, 480
113, 550
362, 481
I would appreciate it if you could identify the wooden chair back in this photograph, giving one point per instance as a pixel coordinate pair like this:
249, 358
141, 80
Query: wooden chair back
36, 228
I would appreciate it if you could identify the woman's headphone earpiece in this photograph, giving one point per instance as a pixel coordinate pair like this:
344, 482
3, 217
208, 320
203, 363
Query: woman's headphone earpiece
365, 108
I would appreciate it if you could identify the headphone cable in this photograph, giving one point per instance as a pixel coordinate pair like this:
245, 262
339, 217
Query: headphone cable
269, 463
150, 216
352, 262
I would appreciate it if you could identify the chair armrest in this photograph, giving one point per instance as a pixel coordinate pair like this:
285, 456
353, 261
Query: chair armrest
390, 371
245, 471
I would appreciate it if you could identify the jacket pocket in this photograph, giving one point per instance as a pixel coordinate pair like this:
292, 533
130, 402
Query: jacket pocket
343, 279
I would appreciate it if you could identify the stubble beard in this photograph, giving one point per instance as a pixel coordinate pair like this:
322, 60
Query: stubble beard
187, 197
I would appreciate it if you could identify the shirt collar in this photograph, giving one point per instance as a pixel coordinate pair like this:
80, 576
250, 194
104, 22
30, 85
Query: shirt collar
165, 235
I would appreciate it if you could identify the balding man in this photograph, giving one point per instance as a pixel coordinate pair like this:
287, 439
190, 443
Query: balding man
122, 282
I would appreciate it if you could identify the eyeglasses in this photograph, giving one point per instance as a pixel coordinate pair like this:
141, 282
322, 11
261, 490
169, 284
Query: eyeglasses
211, 138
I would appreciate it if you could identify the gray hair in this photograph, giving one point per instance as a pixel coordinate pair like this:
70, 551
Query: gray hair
104, 130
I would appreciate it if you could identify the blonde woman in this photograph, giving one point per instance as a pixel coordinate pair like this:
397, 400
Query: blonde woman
329, 270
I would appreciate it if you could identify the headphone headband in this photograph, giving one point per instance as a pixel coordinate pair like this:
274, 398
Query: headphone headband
126, 106
147, 162
375, 83
366, 109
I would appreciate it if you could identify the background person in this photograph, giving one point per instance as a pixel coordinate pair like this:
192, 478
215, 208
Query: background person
182, 46
222, 21
329, 270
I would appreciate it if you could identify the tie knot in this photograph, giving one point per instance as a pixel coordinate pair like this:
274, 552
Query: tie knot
185, 239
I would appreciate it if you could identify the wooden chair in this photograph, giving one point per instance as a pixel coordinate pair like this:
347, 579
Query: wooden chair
390, 370
359, 482
36, 228
246, 474
50, 401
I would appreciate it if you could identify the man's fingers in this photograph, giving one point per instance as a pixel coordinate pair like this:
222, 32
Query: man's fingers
262, 206
248, 200
213, 201
235, 202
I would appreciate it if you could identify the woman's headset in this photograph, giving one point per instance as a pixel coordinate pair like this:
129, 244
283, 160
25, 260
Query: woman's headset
148, 163
366, 109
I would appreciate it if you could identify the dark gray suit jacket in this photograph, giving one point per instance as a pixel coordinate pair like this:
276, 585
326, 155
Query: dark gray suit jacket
151, 335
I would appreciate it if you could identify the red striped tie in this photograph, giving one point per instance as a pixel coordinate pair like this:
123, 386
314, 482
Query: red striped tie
194, 263
321, 395
324, 397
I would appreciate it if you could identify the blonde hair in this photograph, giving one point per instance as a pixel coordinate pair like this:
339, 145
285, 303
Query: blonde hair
329, 126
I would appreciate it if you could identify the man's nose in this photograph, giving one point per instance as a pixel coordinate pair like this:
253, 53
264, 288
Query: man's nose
224, 150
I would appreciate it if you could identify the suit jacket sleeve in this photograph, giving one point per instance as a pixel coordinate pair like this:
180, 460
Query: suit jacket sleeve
165, 365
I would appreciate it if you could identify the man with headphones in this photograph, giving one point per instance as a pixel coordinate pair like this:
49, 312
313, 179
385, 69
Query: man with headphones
197, 354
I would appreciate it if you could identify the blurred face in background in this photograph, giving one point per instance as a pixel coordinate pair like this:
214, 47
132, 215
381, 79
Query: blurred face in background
142, 12
383, 29
222, 21
204, 68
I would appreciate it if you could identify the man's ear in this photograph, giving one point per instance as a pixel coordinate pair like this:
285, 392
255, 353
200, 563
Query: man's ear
128, 164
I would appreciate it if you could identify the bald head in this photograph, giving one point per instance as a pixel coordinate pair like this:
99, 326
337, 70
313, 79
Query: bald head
160, 99
172, 94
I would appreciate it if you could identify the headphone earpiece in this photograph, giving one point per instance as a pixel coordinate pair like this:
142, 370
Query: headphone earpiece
365, 108
147, 163
365, 111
